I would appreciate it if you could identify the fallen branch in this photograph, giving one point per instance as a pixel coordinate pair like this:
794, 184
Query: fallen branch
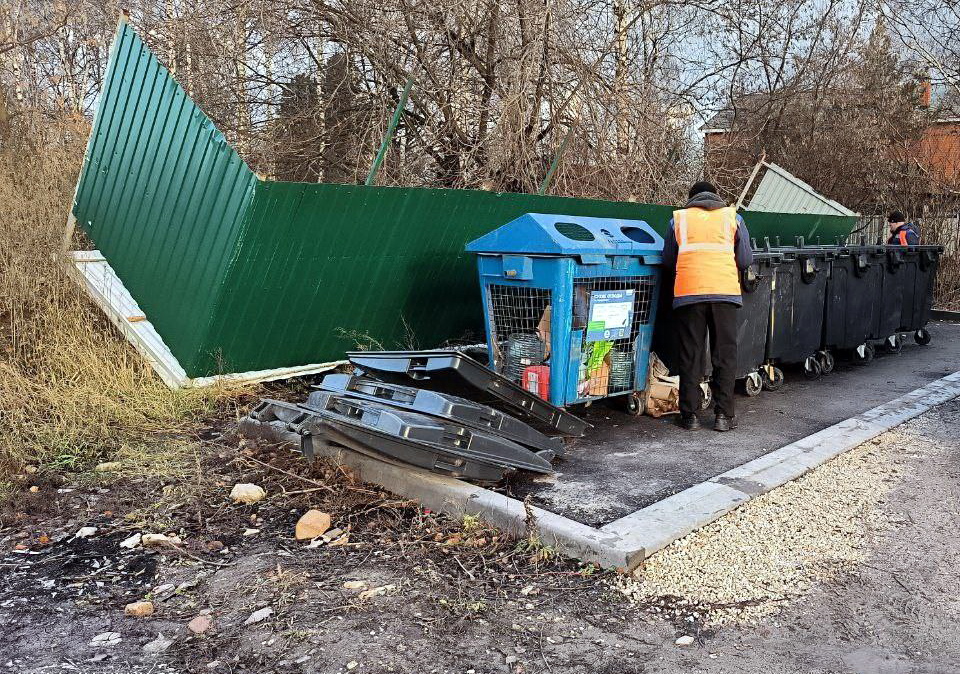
318, 485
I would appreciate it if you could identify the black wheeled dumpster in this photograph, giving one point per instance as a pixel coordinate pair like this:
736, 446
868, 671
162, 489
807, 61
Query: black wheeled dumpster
892, 294
907, 293
921, 264
753, 323
796, 316
852, 306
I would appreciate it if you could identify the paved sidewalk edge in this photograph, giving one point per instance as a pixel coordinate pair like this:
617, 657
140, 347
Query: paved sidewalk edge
656, 526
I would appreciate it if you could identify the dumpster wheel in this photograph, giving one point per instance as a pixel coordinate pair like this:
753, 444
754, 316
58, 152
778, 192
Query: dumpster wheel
811, 368
753, 384
893, 343
706, 395
922, 337
863, 354
772, 378
826, 360
633, 404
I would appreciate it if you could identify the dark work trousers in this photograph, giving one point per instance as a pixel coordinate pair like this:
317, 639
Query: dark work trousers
693, 322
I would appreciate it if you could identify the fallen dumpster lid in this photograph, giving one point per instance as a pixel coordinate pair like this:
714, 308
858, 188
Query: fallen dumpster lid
444, 405
451, 436
380, 436
450, 371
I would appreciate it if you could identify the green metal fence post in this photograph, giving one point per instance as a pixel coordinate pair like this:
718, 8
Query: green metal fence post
401, 104
556, 162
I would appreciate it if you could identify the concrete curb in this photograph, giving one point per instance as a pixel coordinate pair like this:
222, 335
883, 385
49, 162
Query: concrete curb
624, 543
457, 498
658, 525
944, 315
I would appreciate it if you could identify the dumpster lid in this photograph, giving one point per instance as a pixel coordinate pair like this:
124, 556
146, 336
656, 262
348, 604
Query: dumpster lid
556, 234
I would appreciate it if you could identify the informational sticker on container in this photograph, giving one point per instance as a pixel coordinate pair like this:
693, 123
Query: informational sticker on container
611, 315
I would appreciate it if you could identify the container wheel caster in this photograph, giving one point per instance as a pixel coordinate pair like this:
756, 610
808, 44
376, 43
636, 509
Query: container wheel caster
893, 344
863, 354
706, 395
752, 384
827, 363
772, 378
811, 368
634, 404
922, 337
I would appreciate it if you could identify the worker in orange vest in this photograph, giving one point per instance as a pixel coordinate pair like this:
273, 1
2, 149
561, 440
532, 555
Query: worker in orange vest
902, 232
707, 245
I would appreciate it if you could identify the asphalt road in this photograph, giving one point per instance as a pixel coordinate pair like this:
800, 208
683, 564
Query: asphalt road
627, 463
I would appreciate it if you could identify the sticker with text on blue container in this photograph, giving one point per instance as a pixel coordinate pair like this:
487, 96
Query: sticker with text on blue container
611, 315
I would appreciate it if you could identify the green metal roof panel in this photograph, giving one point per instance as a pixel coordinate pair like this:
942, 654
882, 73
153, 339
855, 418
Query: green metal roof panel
241, 274
782, 192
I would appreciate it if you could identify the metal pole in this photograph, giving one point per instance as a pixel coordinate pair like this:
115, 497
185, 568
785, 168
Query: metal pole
401, 104
753, 176
556, 162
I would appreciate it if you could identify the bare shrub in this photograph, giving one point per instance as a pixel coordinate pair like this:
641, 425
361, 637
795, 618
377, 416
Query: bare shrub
71, 390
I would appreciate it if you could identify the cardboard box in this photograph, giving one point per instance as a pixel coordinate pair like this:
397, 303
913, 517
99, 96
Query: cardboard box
599, 379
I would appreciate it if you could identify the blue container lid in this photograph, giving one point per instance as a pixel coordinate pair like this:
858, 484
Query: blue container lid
568, 235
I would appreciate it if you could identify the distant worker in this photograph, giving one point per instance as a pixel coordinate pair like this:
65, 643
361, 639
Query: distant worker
707, 245
901, 231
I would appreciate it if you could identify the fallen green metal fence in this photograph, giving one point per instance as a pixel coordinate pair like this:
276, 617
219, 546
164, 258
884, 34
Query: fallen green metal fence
238, 273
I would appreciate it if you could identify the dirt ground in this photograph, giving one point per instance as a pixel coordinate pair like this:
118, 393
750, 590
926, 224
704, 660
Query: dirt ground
447, 596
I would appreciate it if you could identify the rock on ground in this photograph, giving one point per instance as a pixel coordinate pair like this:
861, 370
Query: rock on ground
247, 493
139, 609
313, 523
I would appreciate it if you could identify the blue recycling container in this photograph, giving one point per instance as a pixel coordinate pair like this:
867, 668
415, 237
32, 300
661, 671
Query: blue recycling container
569, 304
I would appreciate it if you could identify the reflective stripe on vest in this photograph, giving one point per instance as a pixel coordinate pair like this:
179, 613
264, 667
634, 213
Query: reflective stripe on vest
903, 237
706, 261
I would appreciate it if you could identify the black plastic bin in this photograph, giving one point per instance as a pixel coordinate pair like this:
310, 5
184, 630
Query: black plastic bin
907, 295
753, 319
752, 328
797, 313
893, 285
852, 307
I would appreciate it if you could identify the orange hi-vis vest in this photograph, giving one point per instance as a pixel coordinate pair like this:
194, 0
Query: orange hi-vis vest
706, 262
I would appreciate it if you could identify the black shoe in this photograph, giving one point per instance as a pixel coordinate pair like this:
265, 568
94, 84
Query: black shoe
724, 423
689, 421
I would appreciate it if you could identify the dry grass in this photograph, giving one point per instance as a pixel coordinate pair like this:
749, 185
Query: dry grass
947, 290
71, 390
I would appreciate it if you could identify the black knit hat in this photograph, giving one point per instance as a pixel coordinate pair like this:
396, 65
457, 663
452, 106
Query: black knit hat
896, 216
701, 186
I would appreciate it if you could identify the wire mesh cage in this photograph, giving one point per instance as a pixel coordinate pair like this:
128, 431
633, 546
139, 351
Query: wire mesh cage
609, 312
516, 315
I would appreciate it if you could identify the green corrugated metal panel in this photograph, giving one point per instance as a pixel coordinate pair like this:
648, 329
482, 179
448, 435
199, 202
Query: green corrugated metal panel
317, 261
239, 274
163, 196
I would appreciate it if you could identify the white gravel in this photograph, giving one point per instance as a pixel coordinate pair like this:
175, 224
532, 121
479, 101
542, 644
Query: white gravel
749, 562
